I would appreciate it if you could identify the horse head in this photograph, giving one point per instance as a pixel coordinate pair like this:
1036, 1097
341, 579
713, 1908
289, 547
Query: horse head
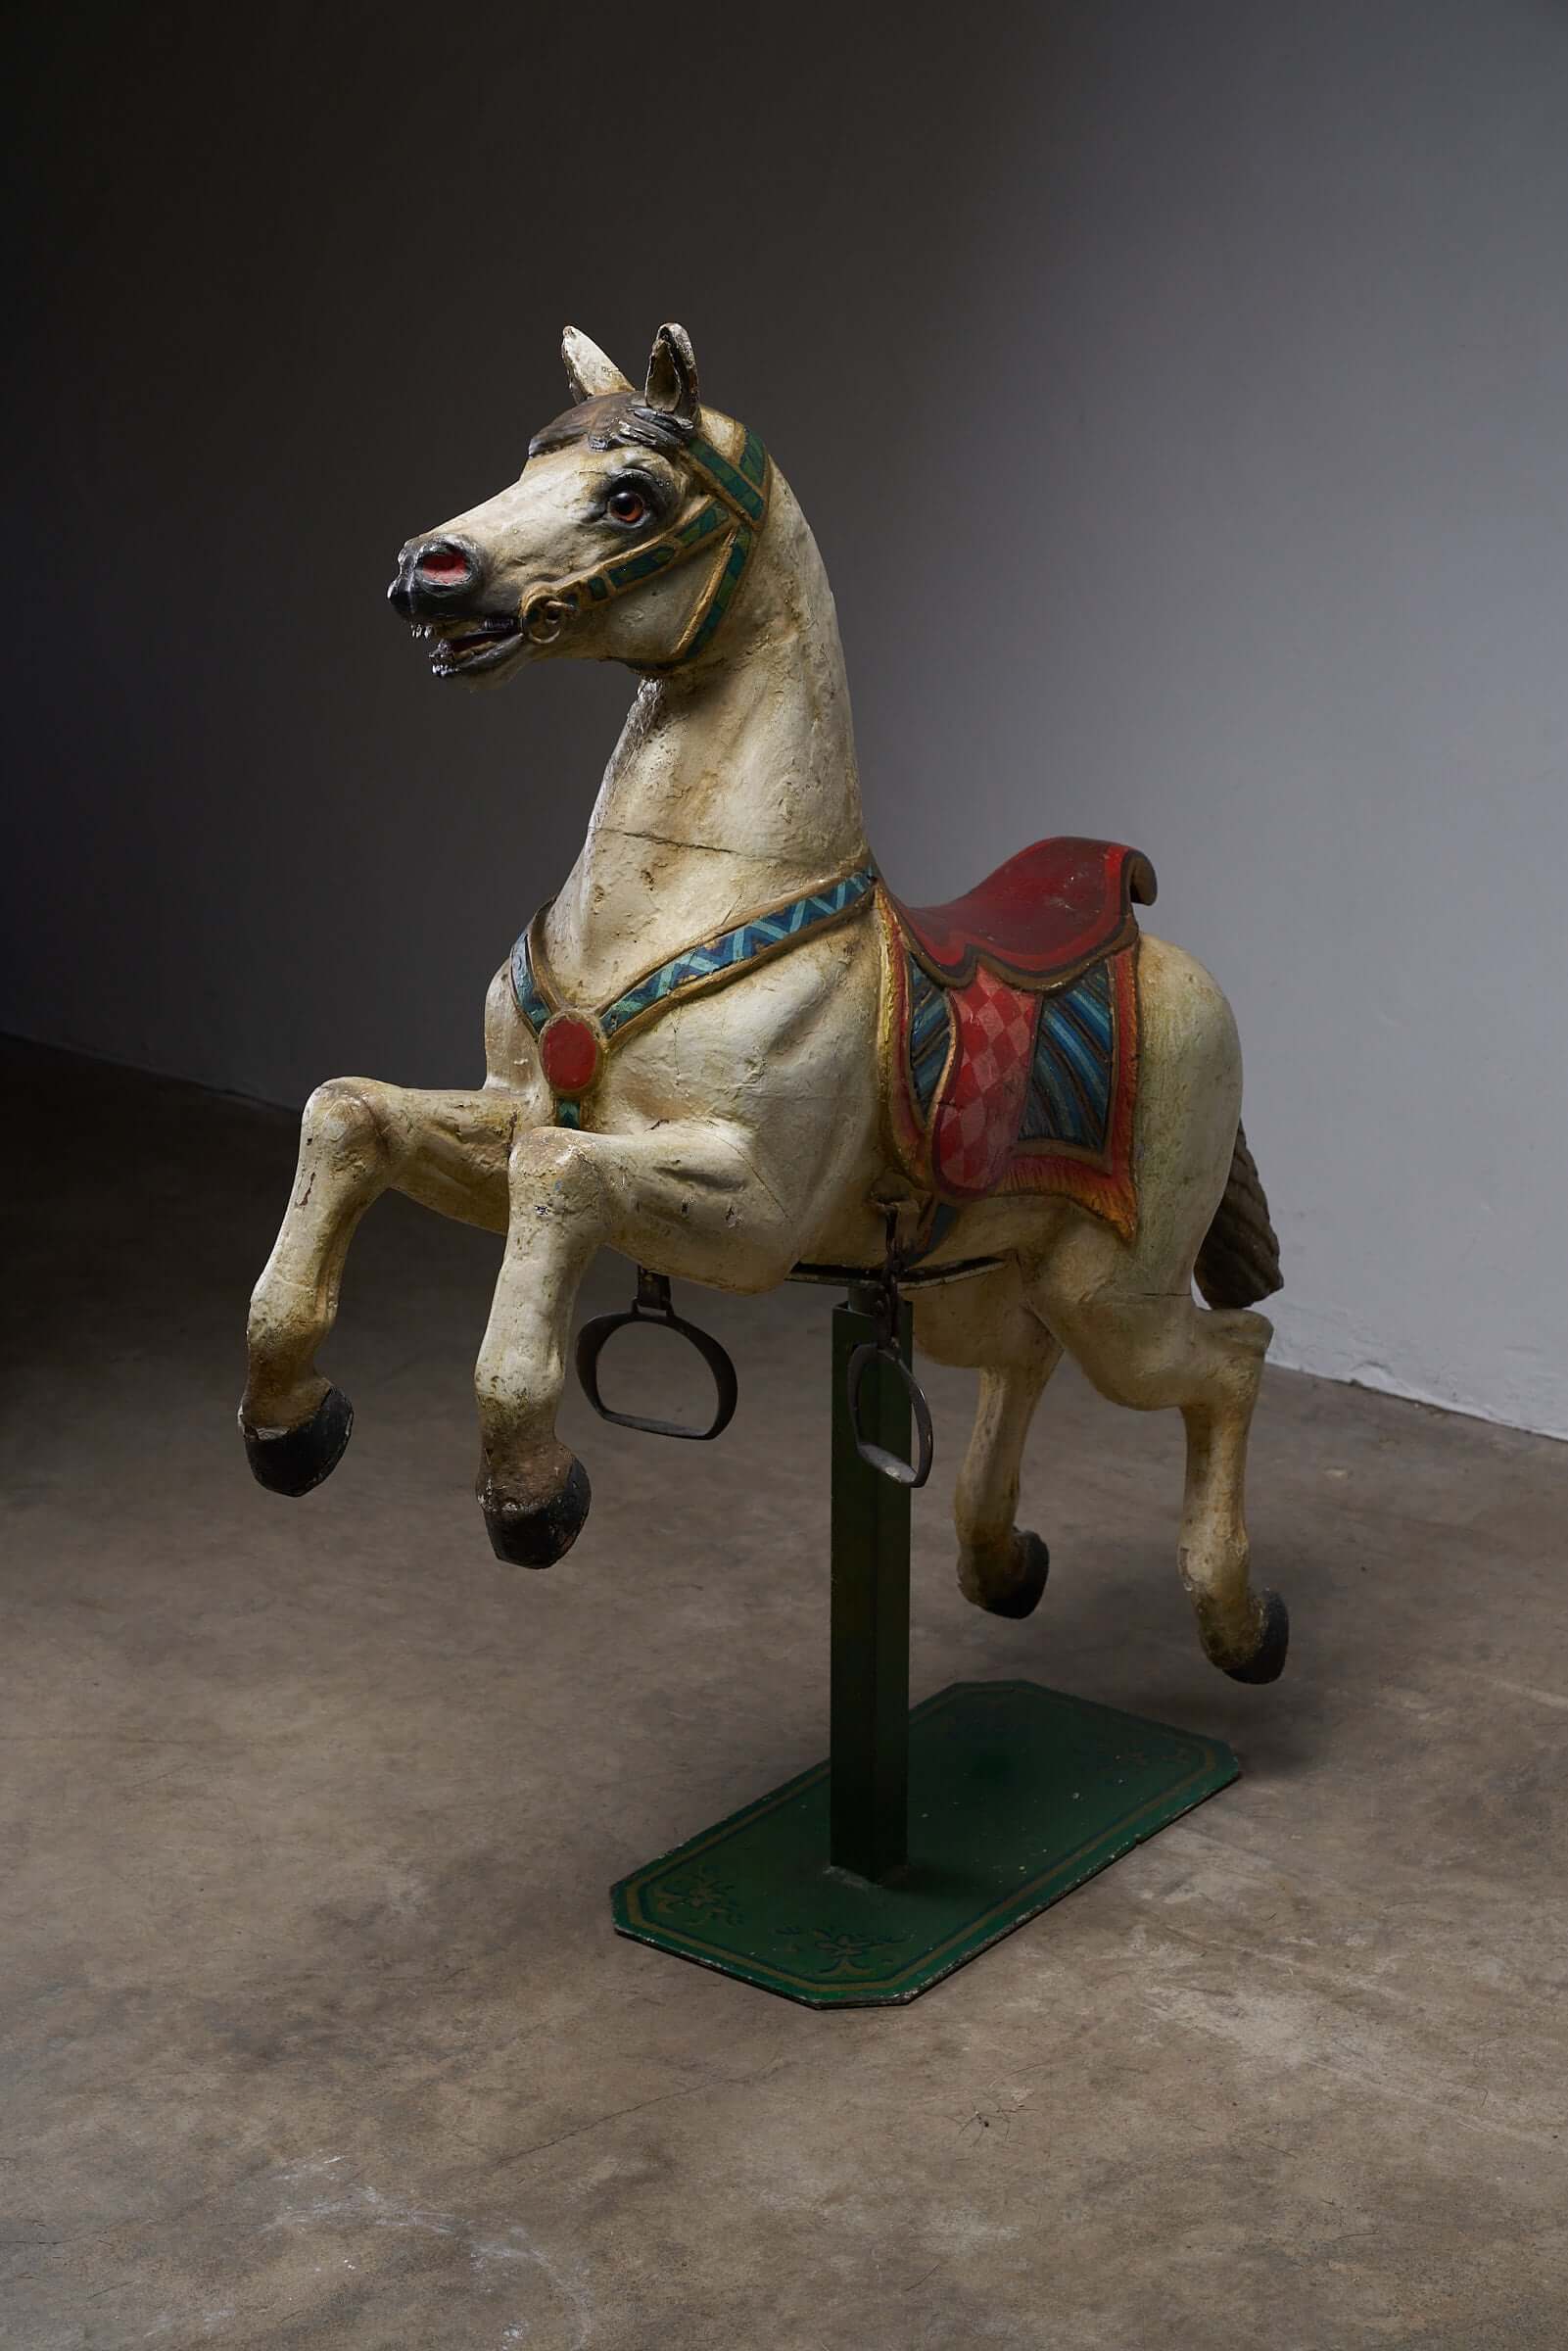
628, 491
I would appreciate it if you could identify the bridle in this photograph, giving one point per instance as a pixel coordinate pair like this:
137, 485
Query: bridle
726, 525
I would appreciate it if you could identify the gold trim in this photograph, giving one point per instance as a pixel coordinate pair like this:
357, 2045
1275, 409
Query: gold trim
743, 521
763, 488
705, 602
540, 963
893, 1038
712, 490
1010, 976
689, 989
888, 1055
549, 986
566, 1093
575, 585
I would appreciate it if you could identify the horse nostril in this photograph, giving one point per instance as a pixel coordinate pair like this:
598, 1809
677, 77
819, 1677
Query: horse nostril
443, 566
440, 575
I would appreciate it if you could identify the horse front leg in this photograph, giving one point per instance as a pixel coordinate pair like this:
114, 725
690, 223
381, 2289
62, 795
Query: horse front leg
358, 1138
677, 1193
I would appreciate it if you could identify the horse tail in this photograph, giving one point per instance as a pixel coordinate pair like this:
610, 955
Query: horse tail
1239, 1261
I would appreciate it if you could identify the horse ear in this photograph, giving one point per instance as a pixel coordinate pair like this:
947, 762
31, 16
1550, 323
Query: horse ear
589, 371
672, 385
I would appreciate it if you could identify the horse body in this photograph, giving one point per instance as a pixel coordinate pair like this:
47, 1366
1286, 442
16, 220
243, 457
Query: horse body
736, 1131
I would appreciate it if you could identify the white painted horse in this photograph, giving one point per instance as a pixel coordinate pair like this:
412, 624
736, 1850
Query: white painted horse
689, 1055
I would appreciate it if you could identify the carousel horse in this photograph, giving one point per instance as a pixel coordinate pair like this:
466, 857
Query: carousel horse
727, 1051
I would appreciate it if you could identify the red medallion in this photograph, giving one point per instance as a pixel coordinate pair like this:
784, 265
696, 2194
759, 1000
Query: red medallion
569, 1051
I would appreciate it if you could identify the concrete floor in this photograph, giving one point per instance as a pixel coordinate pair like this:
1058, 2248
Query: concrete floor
317, 2030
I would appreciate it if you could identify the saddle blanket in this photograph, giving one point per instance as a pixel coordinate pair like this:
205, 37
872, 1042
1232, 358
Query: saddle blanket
1010, 1030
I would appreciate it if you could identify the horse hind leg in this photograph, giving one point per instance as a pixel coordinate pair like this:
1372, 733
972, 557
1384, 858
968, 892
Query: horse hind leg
1001, 1568
1153, 1351
1245, 1634
984, 1324
1237, 1265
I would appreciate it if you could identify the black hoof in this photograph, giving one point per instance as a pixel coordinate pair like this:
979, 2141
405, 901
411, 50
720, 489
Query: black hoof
294, 1460
1267, 1661
1022, 1597
539, 1536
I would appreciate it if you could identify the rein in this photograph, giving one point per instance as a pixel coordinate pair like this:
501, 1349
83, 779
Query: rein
727, 525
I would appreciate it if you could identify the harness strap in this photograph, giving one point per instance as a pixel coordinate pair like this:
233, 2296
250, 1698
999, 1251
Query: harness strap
726, 525
573, 1044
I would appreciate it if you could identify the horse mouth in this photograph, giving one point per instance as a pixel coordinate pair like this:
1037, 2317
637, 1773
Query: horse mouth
458, 647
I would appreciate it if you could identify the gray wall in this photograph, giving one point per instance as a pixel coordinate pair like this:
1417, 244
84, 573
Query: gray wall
1179, 389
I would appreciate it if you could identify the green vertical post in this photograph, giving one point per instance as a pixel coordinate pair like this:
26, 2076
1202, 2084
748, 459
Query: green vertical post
869, 1809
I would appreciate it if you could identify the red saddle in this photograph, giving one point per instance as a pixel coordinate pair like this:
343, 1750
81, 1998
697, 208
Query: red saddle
1039, 919
1012, 1036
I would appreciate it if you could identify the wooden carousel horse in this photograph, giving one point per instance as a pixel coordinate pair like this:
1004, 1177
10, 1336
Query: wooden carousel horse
725, 1049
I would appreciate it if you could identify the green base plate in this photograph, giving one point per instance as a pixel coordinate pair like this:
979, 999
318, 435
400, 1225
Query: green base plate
1017, 1793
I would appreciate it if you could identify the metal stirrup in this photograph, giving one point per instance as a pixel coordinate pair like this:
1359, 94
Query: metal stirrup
885, 1348
653, 1303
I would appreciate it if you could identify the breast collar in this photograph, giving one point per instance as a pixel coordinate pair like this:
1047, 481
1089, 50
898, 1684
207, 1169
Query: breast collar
574, 1044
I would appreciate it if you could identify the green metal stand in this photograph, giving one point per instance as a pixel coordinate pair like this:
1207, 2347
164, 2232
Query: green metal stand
868, 1812
1009, 1794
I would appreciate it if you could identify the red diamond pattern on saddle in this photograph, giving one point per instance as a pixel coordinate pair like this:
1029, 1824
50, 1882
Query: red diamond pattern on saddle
1010, 1033
978, 1120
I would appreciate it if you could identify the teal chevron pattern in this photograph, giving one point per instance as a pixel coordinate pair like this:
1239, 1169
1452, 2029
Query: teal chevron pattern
733, 949
930, 1035
742, 485
525, 987
725, 956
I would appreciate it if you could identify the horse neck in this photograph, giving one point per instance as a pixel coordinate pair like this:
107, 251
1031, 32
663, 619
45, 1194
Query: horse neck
732, 786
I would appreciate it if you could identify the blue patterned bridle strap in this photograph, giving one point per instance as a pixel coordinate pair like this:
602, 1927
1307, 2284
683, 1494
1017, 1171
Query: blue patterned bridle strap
711, 963
726, 525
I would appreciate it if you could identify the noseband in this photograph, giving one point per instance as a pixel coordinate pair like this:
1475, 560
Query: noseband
726, 526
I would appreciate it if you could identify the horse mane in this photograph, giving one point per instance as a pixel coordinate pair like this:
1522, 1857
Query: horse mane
614, 420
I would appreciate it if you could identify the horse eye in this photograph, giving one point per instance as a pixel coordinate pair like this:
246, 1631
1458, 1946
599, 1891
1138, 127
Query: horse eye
626, 506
